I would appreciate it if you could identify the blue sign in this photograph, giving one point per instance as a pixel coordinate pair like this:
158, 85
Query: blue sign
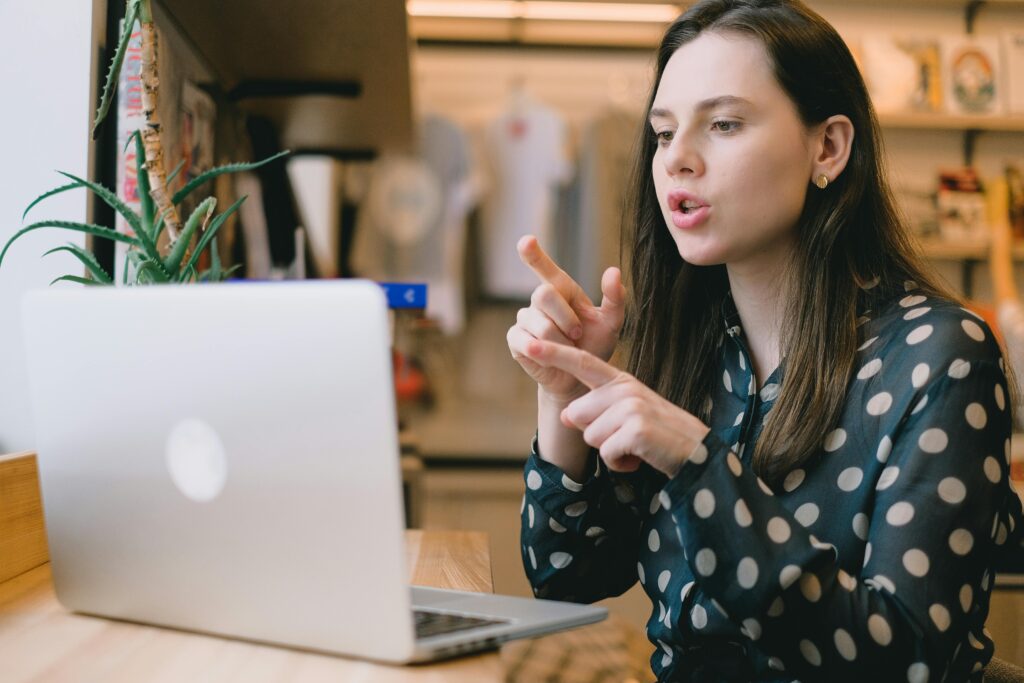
405, 294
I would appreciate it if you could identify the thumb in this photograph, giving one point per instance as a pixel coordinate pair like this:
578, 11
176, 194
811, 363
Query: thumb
613, 302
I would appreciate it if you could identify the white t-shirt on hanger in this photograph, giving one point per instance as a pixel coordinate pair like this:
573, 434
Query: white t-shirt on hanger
525, 152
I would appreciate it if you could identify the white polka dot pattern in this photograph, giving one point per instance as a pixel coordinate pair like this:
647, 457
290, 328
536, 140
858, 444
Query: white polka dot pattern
835, 440
879, 629
742, 514
919, 334
921, 440
807, 514
810, 652
704, 503
570, 484
793, 480
746, 572
920, 375
705, 561
871, 369
917, 673
778, 530
850, 478
879, 404
973, 330
900, 514
961, 541
939, 616
699, 617
845, 646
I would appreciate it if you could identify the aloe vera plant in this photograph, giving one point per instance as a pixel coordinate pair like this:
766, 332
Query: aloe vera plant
177, 262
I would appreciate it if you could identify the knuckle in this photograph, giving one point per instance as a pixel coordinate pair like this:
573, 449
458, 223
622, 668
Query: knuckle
549, 329
633, 404
544, 295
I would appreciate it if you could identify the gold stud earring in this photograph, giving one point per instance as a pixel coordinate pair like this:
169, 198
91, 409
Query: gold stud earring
821, 180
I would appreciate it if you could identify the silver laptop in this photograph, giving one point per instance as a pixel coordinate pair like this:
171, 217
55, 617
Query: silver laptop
224, 458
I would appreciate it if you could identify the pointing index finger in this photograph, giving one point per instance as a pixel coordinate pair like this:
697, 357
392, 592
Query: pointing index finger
583, 365
531, 253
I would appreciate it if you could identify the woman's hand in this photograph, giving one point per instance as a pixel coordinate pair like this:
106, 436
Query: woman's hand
624, 419
560, 312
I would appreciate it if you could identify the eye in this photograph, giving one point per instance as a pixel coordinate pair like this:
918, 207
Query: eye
664, 137
725, 126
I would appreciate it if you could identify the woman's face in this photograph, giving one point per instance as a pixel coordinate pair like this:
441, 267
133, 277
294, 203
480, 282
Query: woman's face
734, 160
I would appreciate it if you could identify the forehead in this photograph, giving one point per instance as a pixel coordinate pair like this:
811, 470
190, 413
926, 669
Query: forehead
716, 64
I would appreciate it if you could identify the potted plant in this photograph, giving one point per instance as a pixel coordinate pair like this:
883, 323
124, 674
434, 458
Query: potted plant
176, 260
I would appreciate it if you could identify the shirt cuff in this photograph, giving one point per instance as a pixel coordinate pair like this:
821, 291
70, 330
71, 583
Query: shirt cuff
546, 481
710, 449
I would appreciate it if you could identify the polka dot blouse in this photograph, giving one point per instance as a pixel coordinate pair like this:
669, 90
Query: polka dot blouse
874, 559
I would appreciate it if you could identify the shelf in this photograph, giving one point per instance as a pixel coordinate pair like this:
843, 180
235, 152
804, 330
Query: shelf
947, 250
330, 75
915, 120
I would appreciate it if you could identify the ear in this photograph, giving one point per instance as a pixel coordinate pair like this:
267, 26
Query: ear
833, 143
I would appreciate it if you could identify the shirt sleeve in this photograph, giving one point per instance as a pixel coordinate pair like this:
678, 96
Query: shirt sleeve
580, 539
923, 589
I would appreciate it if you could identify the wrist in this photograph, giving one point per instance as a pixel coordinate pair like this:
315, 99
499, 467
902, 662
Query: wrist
548, 400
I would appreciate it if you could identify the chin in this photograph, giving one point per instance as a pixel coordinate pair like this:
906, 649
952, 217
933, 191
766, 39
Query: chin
699, 257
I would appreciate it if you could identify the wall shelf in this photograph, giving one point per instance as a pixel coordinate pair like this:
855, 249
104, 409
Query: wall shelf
928, 121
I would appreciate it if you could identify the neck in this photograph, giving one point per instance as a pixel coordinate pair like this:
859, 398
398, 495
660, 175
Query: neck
758, 292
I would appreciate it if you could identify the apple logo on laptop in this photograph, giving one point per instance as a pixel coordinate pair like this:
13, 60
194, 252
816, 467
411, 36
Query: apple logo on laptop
196, 460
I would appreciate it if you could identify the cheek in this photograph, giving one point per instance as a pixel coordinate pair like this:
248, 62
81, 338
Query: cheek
774, 185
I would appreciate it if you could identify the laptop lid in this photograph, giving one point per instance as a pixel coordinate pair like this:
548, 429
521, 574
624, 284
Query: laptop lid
224, 458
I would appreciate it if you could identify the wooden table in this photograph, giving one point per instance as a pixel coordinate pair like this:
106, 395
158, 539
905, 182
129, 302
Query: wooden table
41, 641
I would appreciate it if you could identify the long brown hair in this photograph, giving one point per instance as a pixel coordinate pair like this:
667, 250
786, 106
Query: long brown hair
848, 234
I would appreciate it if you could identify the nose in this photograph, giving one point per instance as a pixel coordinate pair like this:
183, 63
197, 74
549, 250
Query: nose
682, 156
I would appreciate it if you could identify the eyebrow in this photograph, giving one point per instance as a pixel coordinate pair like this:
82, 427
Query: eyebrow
703, 105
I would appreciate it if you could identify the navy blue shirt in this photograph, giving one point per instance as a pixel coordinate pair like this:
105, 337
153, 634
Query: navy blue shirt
873, 559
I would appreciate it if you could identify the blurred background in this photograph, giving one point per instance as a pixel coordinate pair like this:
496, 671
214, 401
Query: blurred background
427, 136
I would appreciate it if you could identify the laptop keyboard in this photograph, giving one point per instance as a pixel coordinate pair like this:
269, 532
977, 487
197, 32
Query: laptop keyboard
437, 623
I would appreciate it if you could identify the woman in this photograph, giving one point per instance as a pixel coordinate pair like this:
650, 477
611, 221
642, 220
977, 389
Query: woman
806, 464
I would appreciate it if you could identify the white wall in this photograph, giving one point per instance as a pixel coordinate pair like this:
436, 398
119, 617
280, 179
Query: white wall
46, 64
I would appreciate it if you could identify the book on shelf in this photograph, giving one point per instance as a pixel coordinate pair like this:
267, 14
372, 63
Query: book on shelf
962, 207
972, 75
902, 72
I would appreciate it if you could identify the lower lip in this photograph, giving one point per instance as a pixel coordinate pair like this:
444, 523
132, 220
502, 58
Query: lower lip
689, 221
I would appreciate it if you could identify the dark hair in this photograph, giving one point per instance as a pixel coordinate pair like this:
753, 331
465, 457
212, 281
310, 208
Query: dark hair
847, 235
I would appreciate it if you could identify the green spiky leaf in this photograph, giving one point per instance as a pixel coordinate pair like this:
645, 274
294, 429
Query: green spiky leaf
211, 232
110, 199
62, 188
202, 212
114, 73
146, 204
151, 271
158, 227
74, 278
88, 260
220, 170
88, 228
174, 173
